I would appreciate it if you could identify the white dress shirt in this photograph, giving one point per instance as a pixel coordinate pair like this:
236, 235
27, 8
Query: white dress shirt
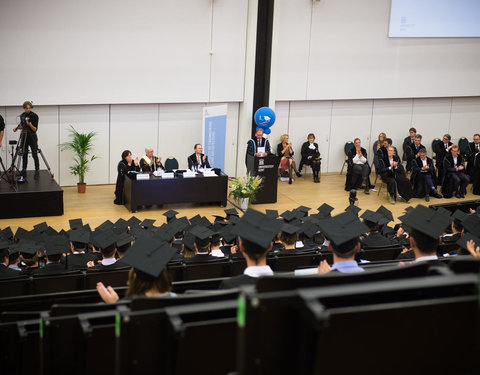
359, 159
257, 271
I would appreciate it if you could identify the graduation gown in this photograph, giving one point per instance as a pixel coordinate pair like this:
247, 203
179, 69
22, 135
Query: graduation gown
123, 168
306, 151
476, 175
449, 169
50, 269
412, 152
395, 178
352, 181
252, 147
418, 176
406, 143
6, 272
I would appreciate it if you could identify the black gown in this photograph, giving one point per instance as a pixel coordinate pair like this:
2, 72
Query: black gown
123, 168
306, 151
147, 168
476, 174
395, 178
353, 180
418, 177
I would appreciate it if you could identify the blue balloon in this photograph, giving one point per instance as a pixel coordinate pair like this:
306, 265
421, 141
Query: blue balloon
264, 118
267, 131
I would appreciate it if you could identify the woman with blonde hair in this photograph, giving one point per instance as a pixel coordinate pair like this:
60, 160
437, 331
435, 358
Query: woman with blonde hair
376, 146
285, 152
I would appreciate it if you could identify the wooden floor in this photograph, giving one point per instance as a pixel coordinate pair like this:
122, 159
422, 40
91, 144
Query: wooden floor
96, 205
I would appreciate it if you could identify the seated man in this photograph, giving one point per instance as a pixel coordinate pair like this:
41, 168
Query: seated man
473, 150
201, 244
79, 257
407, 142
107, 243
382, 152
150, 163
423, 176
198, 159
5, 271
375, 222
343, 232
54, 252
256, 232
392, 173
412, 150
358, 168
456, 180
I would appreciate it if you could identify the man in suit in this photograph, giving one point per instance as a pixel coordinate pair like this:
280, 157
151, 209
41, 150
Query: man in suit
473, 150
198, 159
258, 145
412, 150
5, 271
106, 242
407, 142
392, 173
256, 232
456, 180
423, 176
358, 168
441, 151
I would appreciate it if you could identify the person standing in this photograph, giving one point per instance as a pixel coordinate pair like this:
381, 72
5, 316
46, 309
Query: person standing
127, 164
198, 159
407, 142
29, 126
2, 129
257, 146
473, 150
442, 149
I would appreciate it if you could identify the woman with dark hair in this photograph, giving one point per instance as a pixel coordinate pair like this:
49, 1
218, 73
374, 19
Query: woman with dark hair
127, 164
311, 156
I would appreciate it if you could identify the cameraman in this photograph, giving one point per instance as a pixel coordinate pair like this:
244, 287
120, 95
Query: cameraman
29, 125
2, 129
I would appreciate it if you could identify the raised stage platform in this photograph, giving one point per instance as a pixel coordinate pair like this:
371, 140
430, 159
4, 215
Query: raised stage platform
41, 197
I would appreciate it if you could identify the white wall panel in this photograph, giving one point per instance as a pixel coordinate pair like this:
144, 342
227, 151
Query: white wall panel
465, 120
48, 139
12, 119
85, 119
228, 47
231, 143
282, 113
132, 127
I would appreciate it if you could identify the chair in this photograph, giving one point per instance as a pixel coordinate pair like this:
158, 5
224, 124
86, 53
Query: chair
114, 278
171, 163
463, 146
348, 146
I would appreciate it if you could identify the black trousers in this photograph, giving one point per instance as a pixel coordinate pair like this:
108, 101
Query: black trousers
399, 183
31, 140
460, 181
426, 180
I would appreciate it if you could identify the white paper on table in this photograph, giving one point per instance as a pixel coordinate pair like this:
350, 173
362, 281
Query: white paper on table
168, 175
261, 150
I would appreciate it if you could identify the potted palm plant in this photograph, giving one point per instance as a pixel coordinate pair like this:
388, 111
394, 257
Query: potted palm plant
81, 144
244, 189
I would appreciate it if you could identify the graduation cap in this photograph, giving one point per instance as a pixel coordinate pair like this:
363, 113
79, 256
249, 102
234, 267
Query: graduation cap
287, 215
147, 223
189, 241
180, 224
409, 209
75, 223
459, 216
42, 227
385, 212
353, 209
105, 240
80, 235
21, 233
124, 239
471, 224
426, 221
133, 221
308, 229
289, 229
325, 209
29, 248
55, 245
51, 232
228, 234
139, 232
231, 212
106, 225
216, 237
234, 219
218, 219
257, 228
7, 232
170, 214
148, 257
205, 222
4, 246
462, 241
374, 218
196, 220
443, 211
299, 214
202, 235
271, 213
303, 209
343, 228
121, 224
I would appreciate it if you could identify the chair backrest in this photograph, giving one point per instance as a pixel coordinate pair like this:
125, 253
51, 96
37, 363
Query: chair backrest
463, 145
171, 163
348, 146
434, 144
57, 283
207, 270
112, 278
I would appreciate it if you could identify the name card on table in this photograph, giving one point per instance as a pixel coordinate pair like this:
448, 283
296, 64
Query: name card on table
168, 175
189, 174
143, 176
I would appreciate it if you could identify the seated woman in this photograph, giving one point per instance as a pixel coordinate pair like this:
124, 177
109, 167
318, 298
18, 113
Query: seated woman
127, 164
150, 163
392, 173
311, 156
376, 146
285, 152
358, 169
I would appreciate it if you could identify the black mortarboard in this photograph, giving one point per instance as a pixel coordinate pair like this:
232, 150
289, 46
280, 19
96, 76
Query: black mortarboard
443, 211
342, 228
289, 229
374, 217
408, 209
459, 216
426, 221
50, 231
80, 235
133, 221
231, 212
385, 212
218, 218
287, 215
228, 234
55, 245
180, 224
196, 220
216, 237
325, 209
121, 223
204, 222
41, 227
353, 209
271, 213
29, 247
148, 257
4, 245
106, 225
257, 228
234, 219
299, 214
170, 214
139, 232
147, 223
303, 209
22, 233
462, 241
124, 239
189, 241
472, 224
309, 229
104, 240
8, 232
75, 223
202, 235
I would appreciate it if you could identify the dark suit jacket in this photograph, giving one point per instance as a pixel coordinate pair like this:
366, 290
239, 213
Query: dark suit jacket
440, 153
79, 261
412, 151
114, 266
237, 281
406, 142
384, 164
449, 166
6, 272
192, 161
201, 258
50, 269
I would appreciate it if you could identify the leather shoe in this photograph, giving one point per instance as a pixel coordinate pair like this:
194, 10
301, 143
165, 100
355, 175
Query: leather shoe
367, 190
290, 181
427, 198
457, 195
435, 194
317, 179
299, 174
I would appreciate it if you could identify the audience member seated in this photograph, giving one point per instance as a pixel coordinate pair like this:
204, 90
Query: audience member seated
188, 246
106, 242
256, 232
407, 142
358, 168
392, 173
54, 251
6, 271
215, 249
442, 149
473, 151
149, 162
474, 161
287, 163
29, 255
127, 164
148, 275
375, 222
202, 244
343, 231
311, 156
377, 145
423, 177
382, 152
456, 180
412, 150
198, 159
288, 237
79, 257
14, 260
